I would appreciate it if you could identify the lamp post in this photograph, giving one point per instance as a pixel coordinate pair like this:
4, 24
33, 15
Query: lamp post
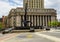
25, 19
25, 16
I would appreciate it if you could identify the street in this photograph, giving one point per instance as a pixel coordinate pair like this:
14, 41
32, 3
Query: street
43, 36
28, 37
56, 34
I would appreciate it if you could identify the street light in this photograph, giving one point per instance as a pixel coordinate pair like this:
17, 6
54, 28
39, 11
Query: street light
25, 19
25, 16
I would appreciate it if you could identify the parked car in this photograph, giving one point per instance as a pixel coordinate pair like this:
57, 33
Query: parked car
46, 28
32, 30
7, 30
58, 27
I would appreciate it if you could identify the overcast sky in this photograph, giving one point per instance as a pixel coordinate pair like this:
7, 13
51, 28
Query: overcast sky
7, 5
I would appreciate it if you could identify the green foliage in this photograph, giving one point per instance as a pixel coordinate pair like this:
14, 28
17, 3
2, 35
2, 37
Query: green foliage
0, 25
58, 23
53, 23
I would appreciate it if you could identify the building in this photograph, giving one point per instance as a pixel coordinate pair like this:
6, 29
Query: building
0, 19
4, 21
36, 13
34, 3
58, 20
0, 23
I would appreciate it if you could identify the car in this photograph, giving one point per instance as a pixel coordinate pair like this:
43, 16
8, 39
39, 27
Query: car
7, 30
58, 27
32, 30
47, 28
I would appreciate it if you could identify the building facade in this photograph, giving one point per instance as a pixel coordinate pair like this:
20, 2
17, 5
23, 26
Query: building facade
4, 21
34, 3
36, 13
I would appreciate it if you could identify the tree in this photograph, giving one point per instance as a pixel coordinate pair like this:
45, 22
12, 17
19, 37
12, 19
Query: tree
58, 23
53, 23
0, 25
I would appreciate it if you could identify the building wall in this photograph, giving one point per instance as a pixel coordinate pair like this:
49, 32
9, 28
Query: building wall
34, 3
37, 17
36, 13
4, 22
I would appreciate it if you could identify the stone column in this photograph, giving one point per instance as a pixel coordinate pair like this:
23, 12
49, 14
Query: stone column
46, 20
11, 21
34, 20
43, 21
52, 18
40, 21
37, 20
20, 20
29, 20
23, 19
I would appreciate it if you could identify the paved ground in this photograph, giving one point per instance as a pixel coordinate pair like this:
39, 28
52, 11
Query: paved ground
28, 37
4, 37
46, 36
52, 35
56, 34
53, 32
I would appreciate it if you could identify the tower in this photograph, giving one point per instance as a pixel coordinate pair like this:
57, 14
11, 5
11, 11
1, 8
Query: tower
34, 3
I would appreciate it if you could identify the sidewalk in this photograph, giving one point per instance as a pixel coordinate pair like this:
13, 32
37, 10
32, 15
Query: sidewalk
53, 30
55, 39
18, 31
9, 36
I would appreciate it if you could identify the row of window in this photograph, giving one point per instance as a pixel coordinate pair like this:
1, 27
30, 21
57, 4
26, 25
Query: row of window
35, 3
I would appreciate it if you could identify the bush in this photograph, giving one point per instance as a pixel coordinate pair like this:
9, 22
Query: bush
0, 26
53, 23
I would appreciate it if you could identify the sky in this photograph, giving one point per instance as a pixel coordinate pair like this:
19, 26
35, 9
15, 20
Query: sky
7, 5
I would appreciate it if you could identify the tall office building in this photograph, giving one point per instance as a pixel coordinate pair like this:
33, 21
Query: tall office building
34, 3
